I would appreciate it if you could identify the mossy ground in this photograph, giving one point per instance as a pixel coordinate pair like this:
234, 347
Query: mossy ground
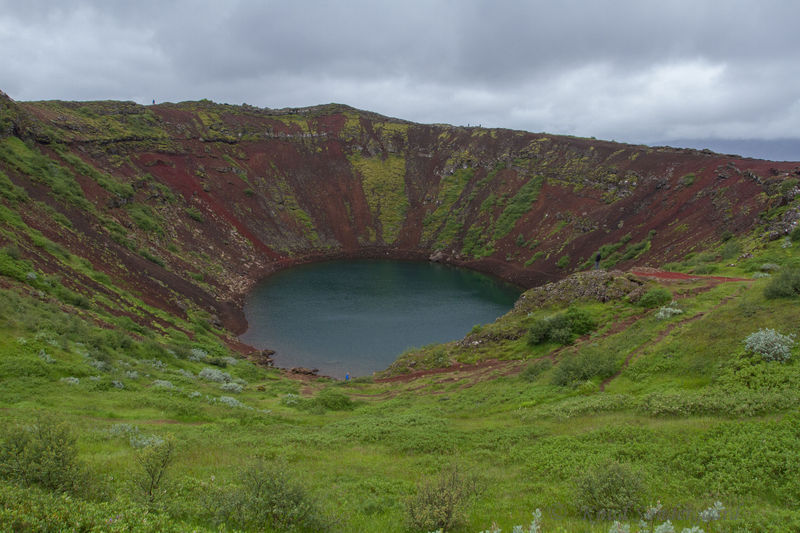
680, 411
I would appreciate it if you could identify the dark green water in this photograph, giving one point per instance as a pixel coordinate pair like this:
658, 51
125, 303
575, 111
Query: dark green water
356, 317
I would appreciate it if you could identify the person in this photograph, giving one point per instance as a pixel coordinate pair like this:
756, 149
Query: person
597, 261
347, 376
154, 101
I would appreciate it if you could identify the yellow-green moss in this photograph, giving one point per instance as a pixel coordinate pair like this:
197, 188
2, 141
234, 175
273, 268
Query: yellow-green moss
383, 181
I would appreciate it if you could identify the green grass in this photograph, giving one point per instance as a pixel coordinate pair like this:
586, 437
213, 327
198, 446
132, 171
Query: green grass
526, 440
678, 400
44, 170
451, 188
518, 205
145, 218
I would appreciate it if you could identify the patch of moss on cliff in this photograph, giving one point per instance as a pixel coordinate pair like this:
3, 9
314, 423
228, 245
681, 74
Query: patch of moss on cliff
519, 205
450, 189
383, 182
281, 192
610, 254
11, 192
105, 121
44, 170
106, 181
476, 242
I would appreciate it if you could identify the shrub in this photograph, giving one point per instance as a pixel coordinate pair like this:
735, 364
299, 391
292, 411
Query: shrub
655, 297
198, 354
333, 400
32, 509
587, 364
267, 497
539, 332
440, 504
212, 374
668, 311
610, 490
535, 369
149, 476
785, 285
795, 234
703, 270
580, 322
561, 328
561, 335
712, 513
731, 249
231, 387
291, 400
770, 344
230, 401
42, 454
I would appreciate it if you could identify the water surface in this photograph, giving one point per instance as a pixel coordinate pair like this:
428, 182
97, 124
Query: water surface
356, 317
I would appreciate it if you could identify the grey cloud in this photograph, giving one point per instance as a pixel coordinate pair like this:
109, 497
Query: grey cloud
627, 69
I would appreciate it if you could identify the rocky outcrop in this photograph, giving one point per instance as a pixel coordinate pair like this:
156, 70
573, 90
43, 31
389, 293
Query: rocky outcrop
594, 285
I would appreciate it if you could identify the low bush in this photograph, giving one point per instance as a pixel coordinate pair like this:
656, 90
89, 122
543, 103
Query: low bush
267, 498
609, 491
43, 454
150, 475
440, 504
234, 388
213, 374
668, 311
587, 364
770, 344
561, 328
32, 509
786, 284
731, 249
333, 400
655, 297
535, 369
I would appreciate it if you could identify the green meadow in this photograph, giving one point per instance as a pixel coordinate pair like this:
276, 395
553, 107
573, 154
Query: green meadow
588, 411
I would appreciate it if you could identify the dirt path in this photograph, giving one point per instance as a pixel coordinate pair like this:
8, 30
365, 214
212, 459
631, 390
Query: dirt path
634, 354
663, 274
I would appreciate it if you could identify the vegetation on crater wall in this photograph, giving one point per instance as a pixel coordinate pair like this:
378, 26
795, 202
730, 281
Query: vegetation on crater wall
451, 187
383, 182
516, 207
41, 168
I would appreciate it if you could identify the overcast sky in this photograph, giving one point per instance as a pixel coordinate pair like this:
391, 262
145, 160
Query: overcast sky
635, 71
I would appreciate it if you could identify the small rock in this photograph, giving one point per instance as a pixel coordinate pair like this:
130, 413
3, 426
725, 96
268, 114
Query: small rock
437, 256
304, 371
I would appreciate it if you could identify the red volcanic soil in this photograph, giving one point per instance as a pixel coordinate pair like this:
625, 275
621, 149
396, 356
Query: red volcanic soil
239, 192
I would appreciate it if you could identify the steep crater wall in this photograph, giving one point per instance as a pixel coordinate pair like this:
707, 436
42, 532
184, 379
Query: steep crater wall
187, 205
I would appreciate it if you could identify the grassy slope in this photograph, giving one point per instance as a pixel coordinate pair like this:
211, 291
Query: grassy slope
693, 417
694, 430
